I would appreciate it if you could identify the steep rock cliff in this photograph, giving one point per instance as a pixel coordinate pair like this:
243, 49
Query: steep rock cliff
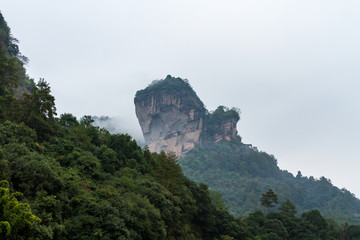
173, 118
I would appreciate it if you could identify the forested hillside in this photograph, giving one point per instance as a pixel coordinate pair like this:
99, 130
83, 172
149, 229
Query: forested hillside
242, 173
63, 178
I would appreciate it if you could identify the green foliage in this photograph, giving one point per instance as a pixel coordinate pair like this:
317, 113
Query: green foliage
175, 87
9, 78
288, 208
281, 225
242, 174
13, 78
4, 31
68, 120
16, 219
11, 132
269, 199
223, 113
214, 120
88, 184
39, 110
7, 42
30, 171
352, 232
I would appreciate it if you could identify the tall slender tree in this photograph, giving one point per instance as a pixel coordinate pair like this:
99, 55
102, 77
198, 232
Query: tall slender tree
269, 199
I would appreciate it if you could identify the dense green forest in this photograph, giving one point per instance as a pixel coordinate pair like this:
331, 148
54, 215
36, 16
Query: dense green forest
63, 178
242, 173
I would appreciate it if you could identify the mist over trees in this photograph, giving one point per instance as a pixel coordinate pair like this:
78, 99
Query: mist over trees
118, 124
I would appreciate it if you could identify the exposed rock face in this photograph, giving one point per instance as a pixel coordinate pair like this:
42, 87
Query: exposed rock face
172, 118
227, 130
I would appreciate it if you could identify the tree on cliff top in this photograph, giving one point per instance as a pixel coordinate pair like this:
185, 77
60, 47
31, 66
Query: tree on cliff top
173, 86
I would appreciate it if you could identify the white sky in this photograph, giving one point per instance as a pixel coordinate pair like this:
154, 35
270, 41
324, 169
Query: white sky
292, 67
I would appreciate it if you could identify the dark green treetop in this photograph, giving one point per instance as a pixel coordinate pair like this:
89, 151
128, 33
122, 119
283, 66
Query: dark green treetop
175, 86
288, 208
269, 199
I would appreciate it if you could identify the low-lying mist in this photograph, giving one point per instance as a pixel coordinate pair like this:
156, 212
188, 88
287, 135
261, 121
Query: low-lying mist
122, 125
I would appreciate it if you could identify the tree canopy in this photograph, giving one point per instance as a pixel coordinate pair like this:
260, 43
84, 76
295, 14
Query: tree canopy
269, 199
242, 173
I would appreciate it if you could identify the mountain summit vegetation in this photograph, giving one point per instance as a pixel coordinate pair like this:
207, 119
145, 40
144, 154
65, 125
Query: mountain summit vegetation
64, 179
173, 118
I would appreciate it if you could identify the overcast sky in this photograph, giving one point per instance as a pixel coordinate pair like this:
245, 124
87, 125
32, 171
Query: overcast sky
292, 67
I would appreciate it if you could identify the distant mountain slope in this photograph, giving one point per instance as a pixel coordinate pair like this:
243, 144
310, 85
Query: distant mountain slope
242, 174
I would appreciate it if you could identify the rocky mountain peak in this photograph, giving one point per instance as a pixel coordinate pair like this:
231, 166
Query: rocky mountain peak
173, 118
